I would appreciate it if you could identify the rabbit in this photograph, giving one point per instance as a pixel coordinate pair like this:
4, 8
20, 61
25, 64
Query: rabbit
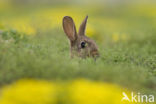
80, 44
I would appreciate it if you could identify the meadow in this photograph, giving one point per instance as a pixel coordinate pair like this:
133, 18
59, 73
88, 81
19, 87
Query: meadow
34, 46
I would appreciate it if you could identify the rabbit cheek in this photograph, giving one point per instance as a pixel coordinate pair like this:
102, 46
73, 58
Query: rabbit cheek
84, 53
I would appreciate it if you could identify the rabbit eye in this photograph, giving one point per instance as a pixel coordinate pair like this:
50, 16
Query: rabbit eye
83, 44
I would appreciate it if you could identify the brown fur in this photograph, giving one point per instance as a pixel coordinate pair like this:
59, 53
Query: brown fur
90, 49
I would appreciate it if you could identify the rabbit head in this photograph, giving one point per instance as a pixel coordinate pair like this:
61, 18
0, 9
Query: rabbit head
80, 44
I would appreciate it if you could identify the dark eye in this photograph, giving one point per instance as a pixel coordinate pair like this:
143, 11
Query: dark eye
83, 44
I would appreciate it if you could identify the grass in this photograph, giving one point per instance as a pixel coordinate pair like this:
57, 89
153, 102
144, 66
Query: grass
47, 57
129, 62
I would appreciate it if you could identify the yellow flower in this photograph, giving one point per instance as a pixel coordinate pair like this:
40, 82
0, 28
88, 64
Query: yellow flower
87, 92
76, 92
29, 92
90, 31
23, 26
115, 37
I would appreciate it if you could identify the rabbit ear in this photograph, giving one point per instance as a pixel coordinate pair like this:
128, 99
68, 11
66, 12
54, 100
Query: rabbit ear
83, 26
69, 28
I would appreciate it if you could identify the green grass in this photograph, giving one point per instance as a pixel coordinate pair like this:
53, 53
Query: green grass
129, 63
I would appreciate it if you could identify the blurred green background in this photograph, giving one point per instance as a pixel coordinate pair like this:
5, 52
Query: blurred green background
33, 44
